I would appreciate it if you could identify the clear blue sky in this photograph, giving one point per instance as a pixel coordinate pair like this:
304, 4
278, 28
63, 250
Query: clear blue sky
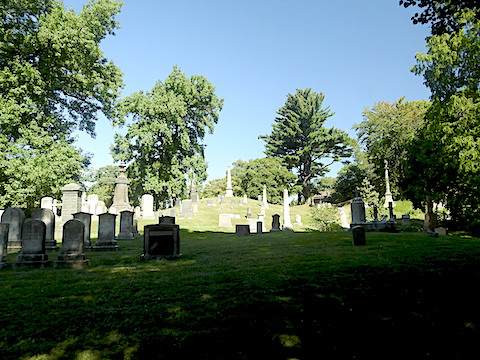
256, 51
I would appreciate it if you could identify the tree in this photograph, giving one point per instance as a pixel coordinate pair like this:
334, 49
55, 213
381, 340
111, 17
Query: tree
385, 132
302, 142
54, 79
163, 143
348, 180
249, 177
214, 188
441, 14
449, 146
104, 183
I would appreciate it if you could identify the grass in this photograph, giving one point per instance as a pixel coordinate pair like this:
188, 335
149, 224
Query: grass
284, 295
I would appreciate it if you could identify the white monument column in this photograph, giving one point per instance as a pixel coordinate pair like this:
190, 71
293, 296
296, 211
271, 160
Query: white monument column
287, 225
264, 197
388, 194
229, 191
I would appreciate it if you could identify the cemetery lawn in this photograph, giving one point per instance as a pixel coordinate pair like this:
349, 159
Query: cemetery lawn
284, 295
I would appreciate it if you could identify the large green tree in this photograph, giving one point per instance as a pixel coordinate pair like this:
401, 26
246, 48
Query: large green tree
300, 139
447, 153
249, 177
385, 133
164, 140
54, 80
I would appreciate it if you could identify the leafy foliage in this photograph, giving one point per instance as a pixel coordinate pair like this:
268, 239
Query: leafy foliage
447, 152
249, 177
325, 217
104, 184
163, 143
441, 14
300, 139
54, 79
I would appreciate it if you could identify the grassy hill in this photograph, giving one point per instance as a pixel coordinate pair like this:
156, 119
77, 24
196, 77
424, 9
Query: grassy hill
283, 295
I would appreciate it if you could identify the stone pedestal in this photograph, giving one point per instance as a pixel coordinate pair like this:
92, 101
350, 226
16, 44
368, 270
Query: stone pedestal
106, 233
287, 225
71, 201
120, 196
358, 211
275, 223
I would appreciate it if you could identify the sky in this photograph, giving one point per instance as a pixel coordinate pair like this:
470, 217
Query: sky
255, 52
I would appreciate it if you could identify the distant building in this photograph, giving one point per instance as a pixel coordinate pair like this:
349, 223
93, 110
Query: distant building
322, 197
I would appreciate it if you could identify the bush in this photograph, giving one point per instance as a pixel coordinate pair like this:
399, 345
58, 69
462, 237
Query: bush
325, 217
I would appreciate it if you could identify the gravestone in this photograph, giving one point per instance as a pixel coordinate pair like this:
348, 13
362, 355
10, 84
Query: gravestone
211, 202
245, 200
275, 223
92, 201
106, 233
126, 225
187, 209
195, 208
46, 202
100, 208
71, 201
172, 212
138, 213
147, 207
15, 217
225, 220
406, 220
33, 245
441, 231
249, 213
166, 220
73, 241
232, 202
287, 225
86, 219
120, 195
242, 230
358, 211
298, 220
48, 218
358, 233
261, 218
259, 227
3, 244
390, 211
161, 241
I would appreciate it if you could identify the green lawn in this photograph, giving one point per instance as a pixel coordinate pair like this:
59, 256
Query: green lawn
284, 295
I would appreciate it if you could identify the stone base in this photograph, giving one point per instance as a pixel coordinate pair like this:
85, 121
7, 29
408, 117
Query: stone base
160, 257
113, 246
381, 226
72, 261
275, 229
125, 236
4, 265
51, 245
32, 260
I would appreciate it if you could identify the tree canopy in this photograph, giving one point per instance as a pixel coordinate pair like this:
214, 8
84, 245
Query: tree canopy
164, 140
301, 141
249, 177
54, 80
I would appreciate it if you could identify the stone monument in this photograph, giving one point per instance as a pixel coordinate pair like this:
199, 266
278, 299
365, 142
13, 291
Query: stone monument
388, 194
147, 207
161, 241
86, 219
275, 223
287, 225
33, 246
71, 201
48, 218
3, 244
73, 241
15, 217
120, 196
126, 225
229, 189
106, 233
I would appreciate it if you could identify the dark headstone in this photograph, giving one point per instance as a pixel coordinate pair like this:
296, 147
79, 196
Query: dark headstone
242, 230
275, 223
86, 219
259, 227
3, 244
106, 233
166, 220
358, 233
33, 245
15, 217
126, 225
73, 242
48, 218
161, 241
